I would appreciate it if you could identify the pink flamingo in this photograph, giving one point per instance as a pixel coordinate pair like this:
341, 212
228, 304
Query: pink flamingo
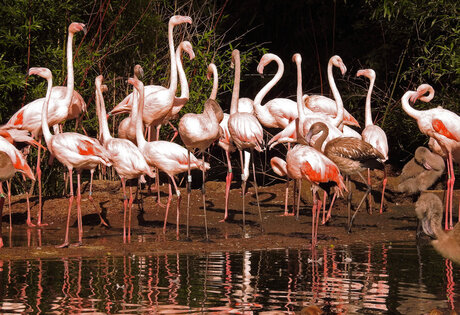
73, 150
125, 156
442, 125
11, 161
373, 134
351, 155
246, 132
158, 100
199, 131
63, 100
298, 129
280, 168
169, 157
127, 127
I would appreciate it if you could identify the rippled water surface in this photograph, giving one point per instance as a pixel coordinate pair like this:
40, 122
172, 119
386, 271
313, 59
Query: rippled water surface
388, 279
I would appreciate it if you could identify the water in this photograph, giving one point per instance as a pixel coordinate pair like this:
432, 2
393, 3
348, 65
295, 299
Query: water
379, 279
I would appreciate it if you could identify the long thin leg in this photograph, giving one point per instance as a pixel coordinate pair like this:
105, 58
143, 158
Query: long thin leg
167, 207
286, 198
298, 196
256, 188
2, 202
452, 179
125, 208
228, 182
66, 240
385, 179
323, 221
328, 216
203, 193
189, 191
368, 191
179, 198
243, 189
79, 216
8, 186
29, 216
39, 177
175, 131
369, 184
130, 207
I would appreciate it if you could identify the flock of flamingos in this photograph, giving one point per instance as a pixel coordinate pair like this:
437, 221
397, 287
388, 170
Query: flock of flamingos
327, 148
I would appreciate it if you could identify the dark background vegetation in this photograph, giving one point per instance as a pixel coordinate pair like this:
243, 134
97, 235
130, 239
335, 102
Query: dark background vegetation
406, 42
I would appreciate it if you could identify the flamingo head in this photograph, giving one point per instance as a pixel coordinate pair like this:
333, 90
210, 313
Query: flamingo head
368, 73
42, 72
104, 88
138, 71
210, 72
77, 27
337, 62
265, 60
235, 57
297, 58
421, 91
187, 47
180, 19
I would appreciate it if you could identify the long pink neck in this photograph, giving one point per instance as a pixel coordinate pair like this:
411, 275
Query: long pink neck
279, 73
184, 90
215, 81
368, 121
406, 106
173, 83
45, 128
139, 98
103, 115
236, 84
338, 99
70, 73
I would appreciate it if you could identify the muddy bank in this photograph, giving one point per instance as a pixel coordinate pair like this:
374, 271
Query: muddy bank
396, 223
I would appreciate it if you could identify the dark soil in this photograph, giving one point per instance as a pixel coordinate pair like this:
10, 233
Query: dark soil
396, 223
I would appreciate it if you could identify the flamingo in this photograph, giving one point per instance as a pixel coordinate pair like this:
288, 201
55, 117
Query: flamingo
246, 132
352, 156
125, 156
11, 161
63, 104
199, 131
373, 134
158, 100
298, 129
429, 209
127, 127
169, 157
442, 125
73, 150
280, 168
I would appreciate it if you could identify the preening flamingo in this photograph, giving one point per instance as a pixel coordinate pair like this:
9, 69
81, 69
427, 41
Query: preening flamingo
373, 134
71, 149
298, 129
11, 161
246, 133
169, 157
440, 124
199, 131
429, 209
63, 102
421, 172
352, 156
125, 156
158, 100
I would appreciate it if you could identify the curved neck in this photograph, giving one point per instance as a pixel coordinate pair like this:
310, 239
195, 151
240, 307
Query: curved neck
236, 84
139, 98
184, 90
260, 96
45, 128
215, 82
319, 142
406, 106
103, 115
173, 83
338, 100
368, 103
70, 74
300, 105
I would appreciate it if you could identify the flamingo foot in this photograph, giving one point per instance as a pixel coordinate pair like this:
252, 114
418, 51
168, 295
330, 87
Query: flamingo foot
77, 244
40, 225
64, 245
286, 214
30, 224
224, 219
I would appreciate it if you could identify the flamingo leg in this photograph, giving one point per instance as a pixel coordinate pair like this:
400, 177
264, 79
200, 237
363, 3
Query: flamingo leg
385, 179
323, 221
243, 188
257, 193
452, 181
8, 187
125, 208
318, 210
203, 193
189, 191
328, 216
66, 239
175, 131
368, 191
79, 216
369, 184
228, 182
446, 217
167, 207
39, 177
297, 191
130, 208
178, 206
29, 217
286, 198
